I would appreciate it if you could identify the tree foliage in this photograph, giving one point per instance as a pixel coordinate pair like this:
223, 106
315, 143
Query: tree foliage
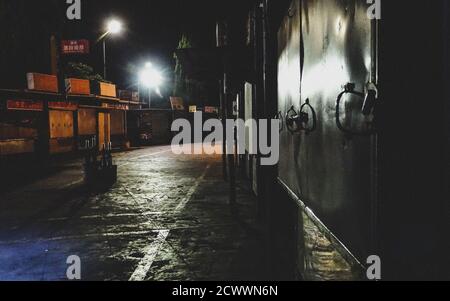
82, 71
180, 77
193, 92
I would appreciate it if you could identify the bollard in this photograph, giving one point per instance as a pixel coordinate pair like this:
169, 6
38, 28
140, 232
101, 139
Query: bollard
99, 174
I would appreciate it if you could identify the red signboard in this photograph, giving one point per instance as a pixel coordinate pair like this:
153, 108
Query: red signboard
75, 47
25, 105
116, 106
62, 105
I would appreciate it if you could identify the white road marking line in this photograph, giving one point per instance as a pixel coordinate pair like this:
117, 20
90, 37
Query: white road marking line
150, 254
191, 191
152, 250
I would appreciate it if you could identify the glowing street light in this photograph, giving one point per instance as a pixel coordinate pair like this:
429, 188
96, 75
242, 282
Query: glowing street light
151, 78
113, 27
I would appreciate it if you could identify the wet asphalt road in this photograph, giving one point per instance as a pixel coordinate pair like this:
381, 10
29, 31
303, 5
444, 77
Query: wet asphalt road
167, 218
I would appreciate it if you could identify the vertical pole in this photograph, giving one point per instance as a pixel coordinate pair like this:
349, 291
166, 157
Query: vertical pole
54, 55
58, 63
43, 148
375, 243
223, 117
241, 116
76, 132
221, 43
149, 98
258, 103
97, 127
104, 58
230, 157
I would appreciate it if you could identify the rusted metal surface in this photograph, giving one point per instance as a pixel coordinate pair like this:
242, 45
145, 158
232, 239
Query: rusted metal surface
118, 126
61, 131
61, 124
87, 123
323, 45
104, 129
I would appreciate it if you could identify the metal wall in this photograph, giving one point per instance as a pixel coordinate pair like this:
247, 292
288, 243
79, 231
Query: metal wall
18, 131
118, 126
104, 129
61, 131
87, 122
323, 45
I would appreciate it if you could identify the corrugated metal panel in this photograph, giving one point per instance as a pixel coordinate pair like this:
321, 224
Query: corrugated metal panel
61, 124
323, 45
87, 122
118, 122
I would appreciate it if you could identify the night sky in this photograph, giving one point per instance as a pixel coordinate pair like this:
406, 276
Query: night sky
152, 31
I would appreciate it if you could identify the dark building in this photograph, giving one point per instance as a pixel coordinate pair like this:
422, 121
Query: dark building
364, 174
362, 106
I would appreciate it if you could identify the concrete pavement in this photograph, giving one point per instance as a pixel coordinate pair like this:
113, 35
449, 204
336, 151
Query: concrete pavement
167, 218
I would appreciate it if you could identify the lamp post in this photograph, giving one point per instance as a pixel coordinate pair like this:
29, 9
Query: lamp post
151, 78
113, 27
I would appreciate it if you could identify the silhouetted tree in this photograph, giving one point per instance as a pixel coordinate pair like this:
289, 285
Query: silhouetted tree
194, 92
180, 87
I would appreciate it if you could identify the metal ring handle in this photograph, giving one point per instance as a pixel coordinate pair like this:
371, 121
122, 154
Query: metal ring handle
291, 119
349, 89
314, 116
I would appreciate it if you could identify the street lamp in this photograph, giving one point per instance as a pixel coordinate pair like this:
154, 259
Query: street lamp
112, 27
151, 78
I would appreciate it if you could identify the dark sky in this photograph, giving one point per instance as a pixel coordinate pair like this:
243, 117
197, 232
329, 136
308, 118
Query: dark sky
152, 31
